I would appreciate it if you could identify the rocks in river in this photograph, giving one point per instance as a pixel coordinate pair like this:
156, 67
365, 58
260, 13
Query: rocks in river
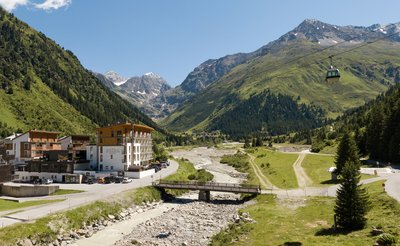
191, 223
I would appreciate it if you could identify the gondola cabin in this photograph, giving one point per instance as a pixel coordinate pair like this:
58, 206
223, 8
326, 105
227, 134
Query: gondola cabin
332, 75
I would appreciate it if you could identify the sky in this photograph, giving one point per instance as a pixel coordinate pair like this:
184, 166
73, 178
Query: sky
172, 37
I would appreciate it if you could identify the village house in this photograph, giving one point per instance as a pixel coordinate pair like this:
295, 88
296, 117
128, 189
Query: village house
31, 144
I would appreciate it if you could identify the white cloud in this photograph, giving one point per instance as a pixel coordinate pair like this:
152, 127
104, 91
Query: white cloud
9, 5
52, 4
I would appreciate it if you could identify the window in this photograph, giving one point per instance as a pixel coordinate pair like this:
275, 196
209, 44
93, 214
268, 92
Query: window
101, 158
106, 167
111, 167
101, 149
91, 156
111, 157
112, 134
101, 140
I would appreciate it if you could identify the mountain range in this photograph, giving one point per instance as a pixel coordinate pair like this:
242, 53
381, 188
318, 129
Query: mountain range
147, 92
293, 65
276, 89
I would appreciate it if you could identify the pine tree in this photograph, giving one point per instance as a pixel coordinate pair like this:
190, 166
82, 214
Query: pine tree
246, 143
259, 141
27, 84
352, 202
347, 152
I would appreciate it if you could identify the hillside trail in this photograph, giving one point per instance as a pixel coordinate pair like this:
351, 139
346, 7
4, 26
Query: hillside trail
302, 178
263, 180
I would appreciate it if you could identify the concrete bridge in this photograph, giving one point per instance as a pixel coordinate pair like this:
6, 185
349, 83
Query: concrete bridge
205, 188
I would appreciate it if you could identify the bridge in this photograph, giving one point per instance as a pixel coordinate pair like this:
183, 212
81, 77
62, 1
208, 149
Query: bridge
206, 187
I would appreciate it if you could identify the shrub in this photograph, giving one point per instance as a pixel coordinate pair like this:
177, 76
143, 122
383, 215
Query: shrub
386, 239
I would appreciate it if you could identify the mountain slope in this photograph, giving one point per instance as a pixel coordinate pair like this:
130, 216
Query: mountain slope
366, 72
45, 86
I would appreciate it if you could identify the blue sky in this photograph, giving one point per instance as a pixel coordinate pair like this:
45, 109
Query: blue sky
172, 37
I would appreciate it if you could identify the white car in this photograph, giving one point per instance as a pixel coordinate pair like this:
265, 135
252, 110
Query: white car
47, 181
126, 180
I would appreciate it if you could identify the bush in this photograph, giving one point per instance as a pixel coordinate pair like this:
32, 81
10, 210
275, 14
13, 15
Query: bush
386, 239
239, 161
192, 177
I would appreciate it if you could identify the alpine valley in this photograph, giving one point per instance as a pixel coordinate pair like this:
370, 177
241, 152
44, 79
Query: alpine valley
281, 82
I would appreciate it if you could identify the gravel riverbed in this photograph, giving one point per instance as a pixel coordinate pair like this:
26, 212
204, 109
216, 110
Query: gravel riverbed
190, 223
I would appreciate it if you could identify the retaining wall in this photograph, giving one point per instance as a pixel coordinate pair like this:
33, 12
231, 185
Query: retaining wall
28, 190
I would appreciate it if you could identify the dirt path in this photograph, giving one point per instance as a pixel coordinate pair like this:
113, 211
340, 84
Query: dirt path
263, 180
302, 178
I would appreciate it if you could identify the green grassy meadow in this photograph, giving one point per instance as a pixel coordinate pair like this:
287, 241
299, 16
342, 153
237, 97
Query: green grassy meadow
307, 222
11, 205
66, 192
277, 167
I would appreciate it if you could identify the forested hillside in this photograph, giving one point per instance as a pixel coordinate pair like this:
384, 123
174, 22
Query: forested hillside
45, 86
269, 113
377, 126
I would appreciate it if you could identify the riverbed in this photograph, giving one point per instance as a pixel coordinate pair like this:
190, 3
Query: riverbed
184, 221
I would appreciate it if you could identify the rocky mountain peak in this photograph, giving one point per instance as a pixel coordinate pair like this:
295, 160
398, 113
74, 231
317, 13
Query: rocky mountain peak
152, 75
115, 77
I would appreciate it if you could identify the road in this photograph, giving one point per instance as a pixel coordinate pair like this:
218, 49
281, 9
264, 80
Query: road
92, 193
302, 178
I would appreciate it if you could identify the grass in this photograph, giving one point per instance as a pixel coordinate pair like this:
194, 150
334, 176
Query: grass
277, 167
66, 192
307, 222
146, 194
316, 167
11, 205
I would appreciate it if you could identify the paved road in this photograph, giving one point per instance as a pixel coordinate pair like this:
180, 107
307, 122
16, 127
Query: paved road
92, 193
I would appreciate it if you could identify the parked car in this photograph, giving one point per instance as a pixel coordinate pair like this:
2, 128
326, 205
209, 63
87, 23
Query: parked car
47, 181
109, 179
100, 180
156, 167
126, 180
90, 180
118, 179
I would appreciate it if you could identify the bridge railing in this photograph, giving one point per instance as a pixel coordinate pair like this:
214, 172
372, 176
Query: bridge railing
200, 183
